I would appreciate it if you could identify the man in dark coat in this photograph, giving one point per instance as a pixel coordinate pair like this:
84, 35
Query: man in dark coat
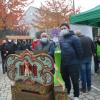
11, 47
4, 53
88, 51
71, 53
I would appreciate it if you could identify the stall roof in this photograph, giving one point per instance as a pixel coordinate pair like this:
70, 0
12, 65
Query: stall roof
90, 17
18, 37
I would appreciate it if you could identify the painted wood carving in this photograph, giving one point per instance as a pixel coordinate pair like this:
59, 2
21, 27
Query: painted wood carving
28, 66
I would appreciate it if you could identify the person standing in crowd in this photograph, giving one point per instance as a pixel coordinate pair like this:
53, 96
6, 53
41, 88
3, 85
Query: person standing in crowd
24, 45
88, 51
46, 45
36, 40
11, 47
19, 45
15, 45
97, 56
4, 52
35, 43
71, 53
28, 44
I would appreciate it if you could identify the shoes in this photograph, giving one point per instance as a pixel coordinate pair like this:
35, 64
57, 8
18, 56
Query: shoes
76, 98
83, 90
68, 97
3, 72
89, 89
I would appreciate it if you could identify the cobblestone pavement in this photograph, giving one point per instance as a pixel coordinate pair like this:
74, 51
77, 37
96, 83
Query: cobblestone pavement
5, 90
93, 95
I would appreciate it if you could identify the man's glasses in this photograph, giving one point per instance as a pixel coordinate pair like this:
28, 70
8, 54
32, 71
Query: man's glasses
63, 28
44, 36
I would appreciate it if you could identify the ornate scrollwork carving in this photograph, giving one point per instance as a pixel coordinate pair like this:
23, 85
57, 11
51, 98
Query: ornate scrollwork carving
27, 66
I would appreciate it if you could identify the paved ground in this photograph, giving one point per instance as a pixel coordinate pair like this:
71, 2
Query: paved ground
5, 91
94, 94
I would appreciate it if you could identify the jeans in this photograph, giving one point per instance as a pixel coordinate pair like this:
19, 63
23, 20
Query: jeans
86, 73
71, 74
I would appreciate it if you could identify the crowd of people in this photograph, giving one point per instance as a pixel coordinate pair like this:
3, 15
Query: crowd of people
76, 55
11, 47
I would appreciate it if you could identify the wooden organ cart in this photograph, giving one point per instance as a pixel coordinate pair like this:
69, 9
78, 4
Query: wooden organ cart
32, 77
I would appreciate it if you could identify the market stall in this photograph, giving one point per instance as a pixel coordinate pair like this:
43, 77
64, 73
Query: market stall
90, 17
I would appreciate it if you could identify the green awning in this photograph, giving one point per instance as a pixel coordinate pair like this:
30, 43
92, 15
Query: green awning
90, 17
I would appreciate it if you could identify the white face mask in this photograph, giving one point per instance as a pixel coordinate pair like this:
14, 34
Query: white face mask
55, 39
44, 40
9, 40
15, 42
64, 32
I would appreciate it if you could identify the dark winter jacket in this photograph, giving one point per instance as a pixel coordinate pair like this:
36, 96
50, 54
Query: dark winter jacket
3, 49
87, 46
10, 48
71, 50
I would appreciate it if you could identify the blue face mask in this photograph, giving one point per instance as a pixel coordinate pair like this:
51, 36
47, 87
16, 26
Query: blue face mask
64, 32
44, 40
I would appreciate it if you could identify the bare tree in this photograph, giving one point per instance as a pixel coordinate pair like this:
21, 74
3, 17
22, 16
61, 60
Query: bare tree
53, 12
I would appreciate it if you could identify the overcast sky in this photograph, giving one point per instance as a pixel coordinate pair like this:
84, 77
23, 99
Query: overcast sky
84, 4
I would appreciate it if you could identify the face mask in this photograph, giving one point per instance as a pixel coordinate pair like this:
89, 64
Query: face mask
55, 39
15, 42
44, 40
9, 40
64, 32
